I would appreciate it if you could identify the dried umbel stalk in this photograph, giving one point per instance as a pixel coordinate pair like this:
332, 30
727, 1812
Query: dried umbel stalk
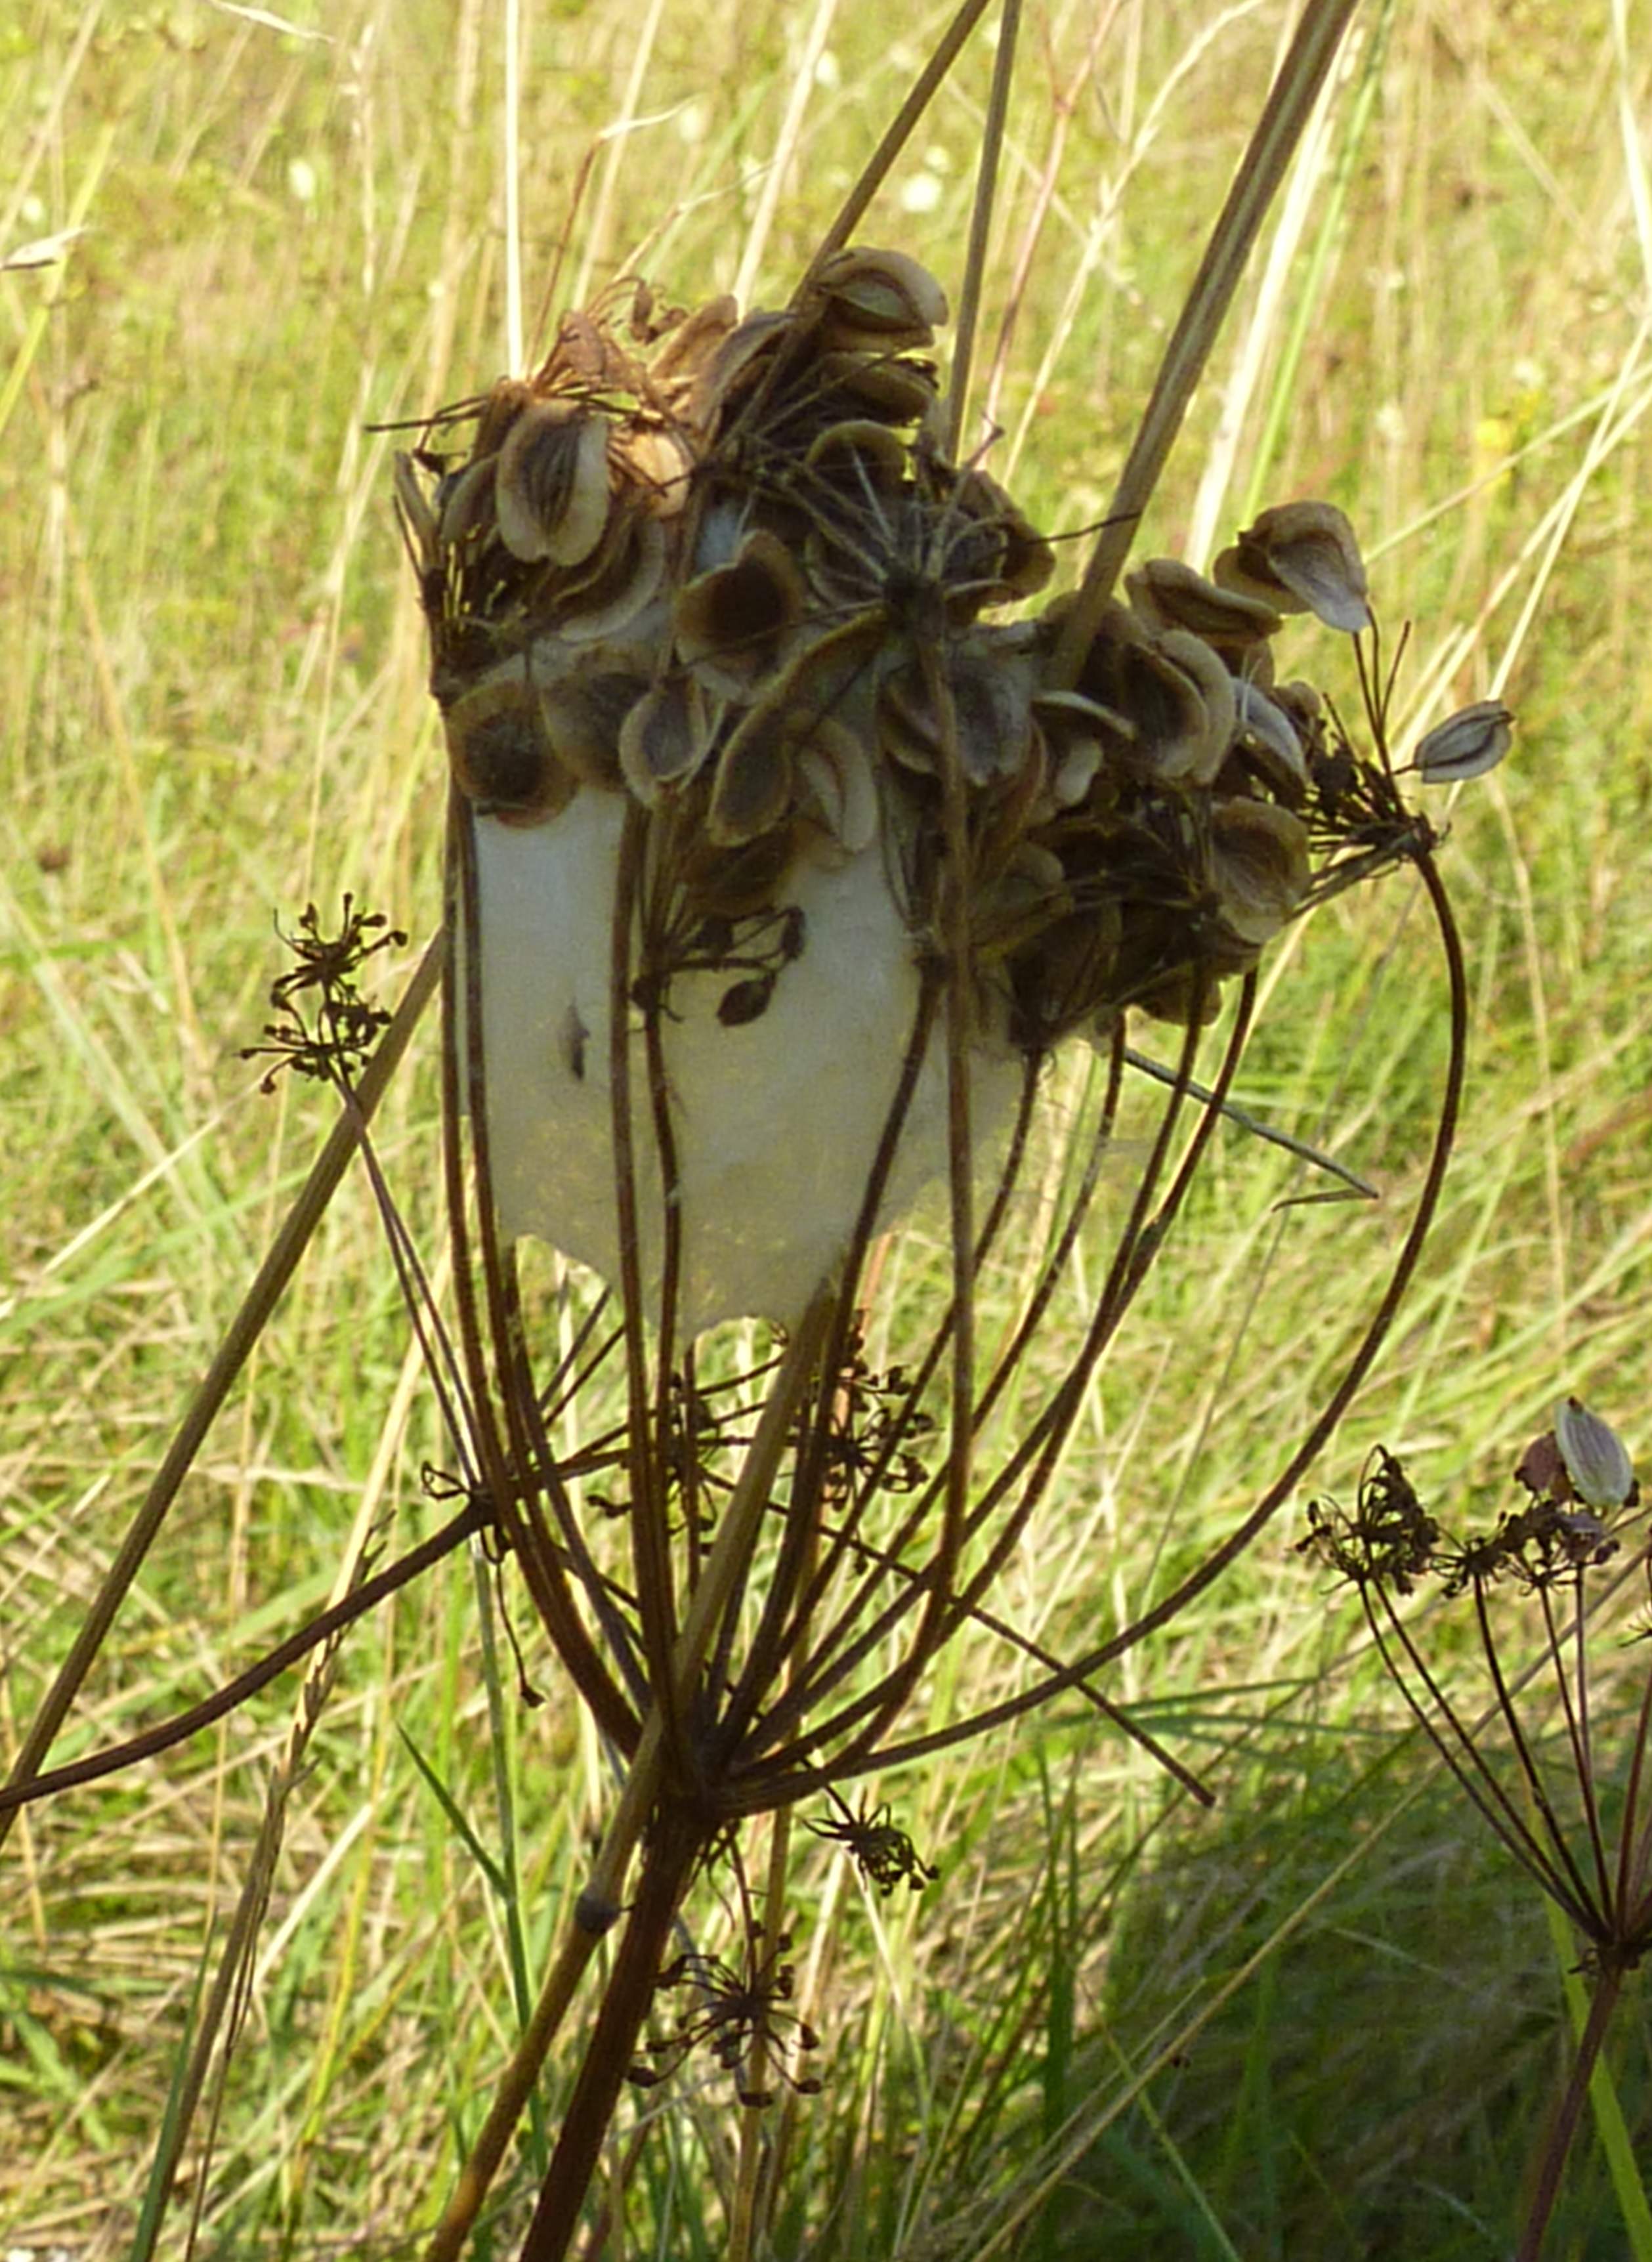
1570, 1809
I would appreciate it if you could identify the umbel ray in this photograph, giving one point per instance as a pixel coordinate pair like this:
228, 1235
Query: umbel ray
787, 846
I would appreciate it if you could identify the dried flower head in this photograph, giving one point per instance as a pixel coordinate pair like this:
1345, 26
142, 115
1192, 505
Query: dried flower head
1388, 1541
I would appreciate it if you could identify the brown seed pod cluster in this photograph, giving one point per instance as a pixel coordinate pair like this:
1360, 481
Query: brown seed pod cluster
719, 571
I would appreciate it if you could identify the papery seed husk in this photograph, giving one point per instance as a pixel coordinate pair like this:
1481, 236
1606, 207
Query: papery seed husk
866, 457
1259, 866
1179, 697
1272, 739
664, 738
417, 513
993, 712
1025, 559
898, 390
502, 755
730, 623
552, 491
613, 590
752, 788
1309, 551
464, 503
731, 369
883, 293
1466, 745
689, 345
839, 789
1597, 1459
499, 411
584, 710
657, 462
1171, 595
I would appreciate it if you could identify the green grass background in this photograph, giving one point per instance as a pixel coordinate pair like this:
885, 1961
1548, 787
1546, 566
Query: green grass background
1323, 2020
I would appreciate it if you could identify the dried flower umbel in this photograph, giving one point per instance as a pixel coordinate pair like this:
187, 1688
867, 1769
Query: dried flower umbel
788, 846
1552, 1810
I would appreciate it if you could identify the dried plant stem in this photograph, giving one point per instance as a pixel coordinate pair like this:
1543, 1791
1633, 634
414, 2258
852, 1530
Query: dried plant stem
677, 1839
243, 1332
877, 165
750, 2196
1563, 2126
1281, 124
981, 225
599, 1903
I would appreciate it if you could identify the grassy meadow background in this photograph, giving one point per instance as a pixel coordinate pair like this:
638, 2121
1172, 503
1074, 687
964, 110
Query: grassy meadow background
1321, 2020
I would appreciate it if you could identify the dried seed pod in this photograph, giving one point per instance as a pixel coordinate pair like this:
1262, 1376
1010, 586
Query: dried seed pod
1169, 595
464, 503
896, 392
1301, 557
1597, 1459
1466, 745
838, 788
585, 711
863, 458
883, 301
414, 509
502, 756
734, 368
1065, 974
1177, 696
752, 792
731, 624
1079, 734
657, 462
612, 592
665, 737
551, 484
689, 345
1259, 866
1017, 560
1271, 738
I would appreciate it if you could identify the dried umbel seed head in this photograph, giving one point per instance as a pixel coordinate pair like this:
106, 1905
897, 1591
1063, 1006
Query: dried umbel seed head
1597, 1459
1301, 557
1466, 745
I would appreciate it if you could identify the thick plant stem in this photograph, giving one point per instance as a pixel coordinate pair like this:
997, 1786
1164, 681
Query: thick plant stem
1563, 2126
676, 1844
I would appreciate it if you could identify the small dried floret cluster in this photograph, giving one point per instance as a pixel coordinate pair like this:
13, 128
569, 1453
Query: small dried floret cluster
742, 2016
723, 567
1575, 1475
324, 972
